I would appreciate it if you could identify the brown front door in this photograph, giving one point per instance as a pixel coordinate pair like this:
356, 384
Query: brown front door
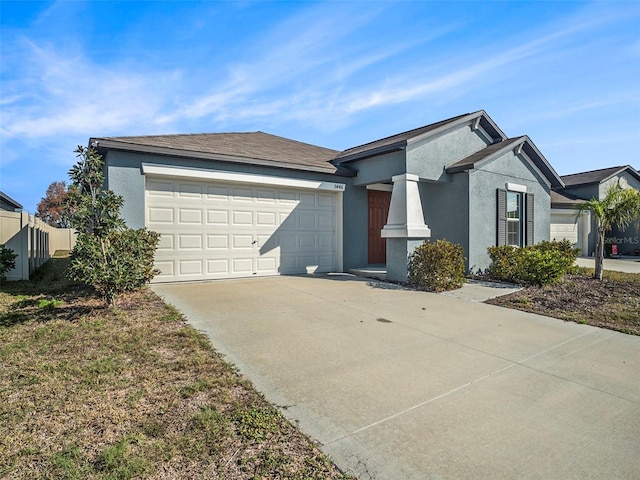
378, 211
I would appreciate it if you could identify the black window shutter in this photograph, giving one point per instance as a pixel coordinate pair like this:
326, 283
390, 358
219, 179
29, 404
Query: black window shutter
502, 217
529, 205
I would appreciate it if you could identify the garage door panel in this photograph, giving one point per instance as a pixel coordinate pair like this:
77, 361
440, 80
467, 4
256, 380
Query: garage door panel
157, 188
190, 190
160, 215
242, 241
165, 242
217, 242
266, 219
266, 196
217, 193
190, 242
242, 265
241, 217
218, 217
189, 215
218, 230
219, 266
243, 195
190, 267
326, 201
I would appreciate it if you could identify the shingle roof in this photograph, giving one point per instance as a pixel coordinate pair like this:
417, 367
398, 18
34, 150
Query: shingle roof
564, 199
470, 161
596, 176
400, 140
253, 147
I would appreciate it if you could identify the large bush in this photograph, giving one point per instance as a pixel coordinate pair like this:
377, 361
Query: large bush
541, 264
7, 261
437, 266
108, 256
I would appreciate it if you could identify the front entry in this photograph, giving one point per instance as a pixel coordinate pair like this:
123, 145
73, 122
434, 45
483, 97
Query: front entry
379, 202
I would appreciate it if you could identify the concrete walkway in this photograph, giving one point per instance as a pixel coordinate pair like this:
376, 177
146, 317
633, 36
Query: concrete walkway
400, 384
623, 264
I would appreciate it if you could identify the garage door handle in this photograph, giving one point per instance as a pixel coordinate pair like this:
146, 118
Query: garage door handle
254, 242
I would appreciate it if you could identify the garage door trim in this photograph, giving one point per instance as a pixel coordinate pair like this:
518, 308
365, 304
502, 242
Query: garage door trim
156, 171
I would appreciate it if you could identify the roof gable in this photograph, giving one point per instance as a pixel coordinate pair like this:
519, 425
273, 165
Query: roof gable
401, 140
257, 148
495, 150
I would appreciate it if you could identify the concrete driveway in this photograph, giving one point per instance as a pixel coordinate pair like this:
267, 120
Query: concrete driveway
399, 384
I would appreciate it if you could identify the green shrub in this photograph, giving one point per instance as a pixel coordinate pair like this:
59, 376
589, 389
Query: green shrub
108, 256
120, 262
437, 266
541, 264
7, 261
505, 263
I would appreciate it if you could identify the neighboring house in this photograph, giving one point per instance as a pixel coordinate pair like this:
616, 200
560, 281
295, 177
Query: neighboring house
247, 204
580, 229
9, 204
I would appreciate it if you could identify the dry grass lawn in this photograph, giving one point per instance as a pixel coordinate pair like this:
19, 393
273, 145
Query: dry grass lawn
129, 392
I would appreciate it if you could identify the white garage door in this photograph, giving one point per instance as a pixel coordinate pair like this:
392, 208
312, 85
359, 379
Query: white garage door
564, 226
217, 229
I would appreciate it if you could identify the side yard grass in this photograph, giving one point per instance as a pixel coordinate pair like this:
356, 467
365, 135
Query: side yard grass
129, 392
613, 303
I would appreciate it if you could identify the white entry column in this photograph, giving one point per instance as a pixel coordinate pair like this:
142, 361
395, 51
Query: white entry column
405, 228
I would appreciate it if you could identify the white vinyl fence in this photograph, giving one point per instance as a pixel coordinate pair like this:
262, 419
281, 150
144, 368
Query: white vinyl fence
33, 240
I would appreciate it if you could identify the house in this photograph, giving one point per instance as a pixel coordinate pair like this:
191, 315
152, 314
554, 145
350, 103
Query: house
249, 204
8, 204
580, 229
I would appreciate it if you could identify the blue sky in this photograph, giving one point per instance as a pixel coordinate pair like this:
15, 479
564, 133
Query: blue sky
335, 74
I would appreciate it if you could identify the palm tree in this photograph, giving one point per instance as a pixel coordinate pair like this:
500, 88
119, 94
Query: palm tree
619, 207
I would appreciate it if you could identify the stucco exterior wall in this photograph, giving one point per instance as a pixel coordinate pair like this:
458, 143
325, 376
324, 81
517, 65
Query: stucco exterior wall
378, 169
446, 209
355, 219
483, 184
429, 158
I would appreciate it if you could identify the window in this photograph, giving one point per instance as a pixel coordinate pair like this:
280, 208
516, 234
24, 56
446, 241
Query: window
515, 218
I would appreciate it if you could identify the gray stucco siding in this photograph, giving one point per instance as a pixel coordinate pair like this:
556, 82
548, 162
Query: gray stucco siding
446, 209
483, 184
429, 158
378, 169
355, 227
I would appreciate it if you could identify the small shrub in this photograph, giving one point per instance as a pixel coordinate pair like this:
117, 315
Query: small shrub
541, 264
505, 263
7, 261
120, 262
437, 266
